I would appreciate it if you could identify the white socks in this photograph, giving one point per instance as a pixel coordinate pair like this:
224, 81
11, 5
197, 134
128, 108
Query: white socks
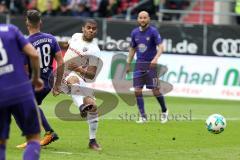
93, 124
78, 94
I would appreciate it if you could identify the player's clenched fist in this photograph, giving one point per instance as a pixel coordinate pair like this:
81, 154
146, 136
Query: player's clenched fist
72, 66
37, 83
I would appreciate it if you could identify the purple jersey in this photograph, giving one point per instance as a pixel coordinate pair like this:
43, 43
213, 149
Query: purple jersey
145, 43
47, 47
15, 85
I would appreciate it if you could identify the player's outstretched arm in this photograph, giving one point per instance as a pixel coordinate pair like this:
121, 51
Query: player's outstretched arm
60, 70
91, 72
30, 51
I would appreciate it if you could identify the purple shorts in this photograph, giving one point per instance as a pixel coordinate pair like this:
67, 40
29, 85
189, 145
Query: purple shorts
148, 78
26, 115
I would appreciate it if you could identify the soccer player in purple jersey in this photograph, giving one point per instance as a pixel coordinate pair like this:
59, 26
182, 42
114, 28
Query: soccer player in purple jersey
48, 49
16, 91
146, 42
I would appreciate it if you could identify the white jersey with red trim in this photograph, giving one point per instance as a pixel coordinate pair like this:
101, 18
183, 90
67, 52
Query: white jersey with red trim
82, 52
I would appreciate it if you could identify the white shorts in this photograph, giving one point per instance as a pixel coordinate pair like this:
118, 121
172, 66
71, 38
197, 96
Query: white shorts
76, 89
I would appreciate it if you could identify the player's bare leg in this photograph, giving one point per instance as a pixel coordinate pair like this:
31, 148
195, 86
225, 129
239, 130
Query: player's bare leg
92, 118
161, 101
140, 104
78, 92
87, 107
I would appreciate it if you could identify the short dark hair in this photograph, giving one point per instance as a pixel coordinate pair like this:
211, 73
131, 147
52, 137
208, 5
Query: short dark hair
33, 17
91, 21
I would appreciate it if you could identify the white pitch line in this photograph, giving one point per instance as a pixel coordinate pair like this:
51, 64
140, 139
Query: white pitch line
68, 153
193, 118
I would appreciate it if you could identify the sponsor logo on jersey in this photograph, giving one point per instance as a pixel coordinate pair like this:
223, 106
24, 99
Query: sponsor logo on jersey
85, 49
142, 47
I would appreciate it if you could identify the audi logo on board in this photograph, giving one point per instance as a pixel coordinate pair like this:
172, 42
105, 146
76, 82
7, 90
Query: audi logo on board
226, 47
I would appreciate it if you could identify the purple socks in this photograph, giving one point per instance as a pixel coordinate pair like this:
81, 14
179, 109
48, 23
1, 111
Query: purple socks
161, 101
140, 104
2, 152
32, 151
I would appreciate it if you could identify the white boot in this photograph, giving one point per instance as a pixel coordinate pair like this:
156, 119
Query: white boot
164, 117
141, 120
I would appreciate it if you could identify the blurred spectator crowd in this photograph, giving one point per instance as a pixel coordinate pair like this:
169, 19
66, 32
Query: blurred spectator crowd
88, 8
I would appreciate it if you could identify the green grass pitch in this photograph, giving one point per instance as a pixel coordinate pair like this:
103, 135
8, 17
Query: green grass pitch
122, 139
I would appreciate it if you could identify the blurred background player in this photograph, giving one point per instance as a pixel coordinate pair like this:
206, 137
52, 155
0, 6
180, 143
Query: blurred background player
48, 49
81, 63
147, 43
16, 91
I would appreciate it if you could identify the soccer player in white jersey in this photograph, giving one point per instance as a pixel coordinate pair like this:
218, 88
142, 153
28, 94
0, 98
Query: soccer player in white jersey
81, 62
